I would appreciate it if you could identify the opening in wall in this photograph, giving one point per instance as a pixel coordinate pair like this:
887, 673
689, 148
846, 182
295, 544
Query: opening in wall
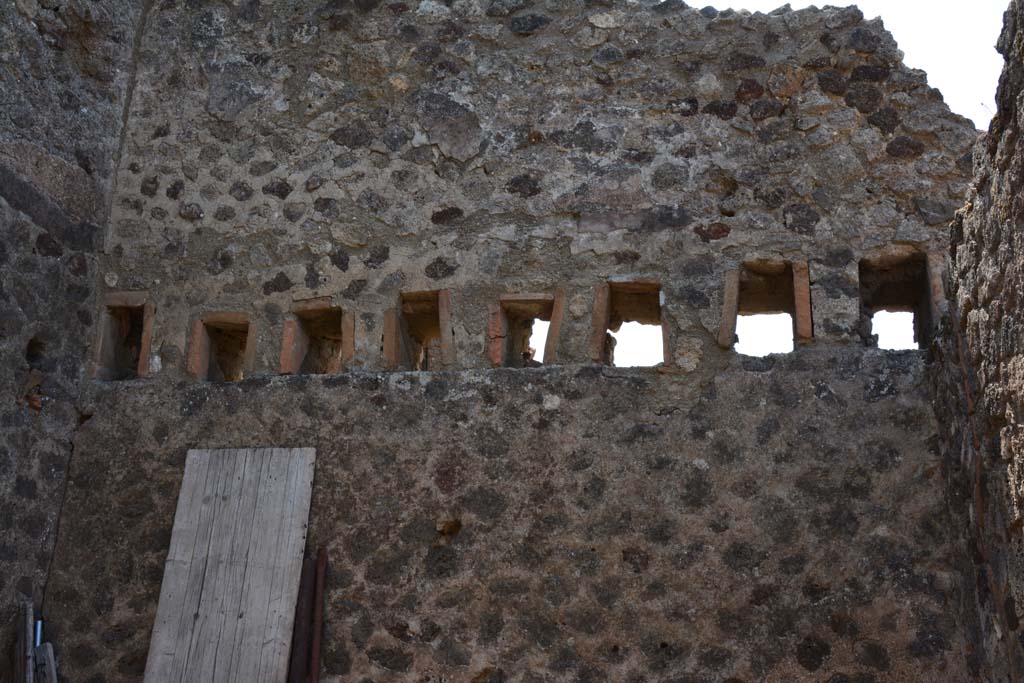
317, 341
418, 333
125, 329
895, 297
627, 326
894, 330
523, 329
766, 308
221, 347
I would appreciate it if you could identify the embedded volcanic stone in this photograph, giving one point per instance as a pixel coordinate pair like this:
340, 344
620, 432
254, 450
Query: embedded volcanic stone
354, 135
886, 120
280, 283
240, 190
191, 212
832, 82
864, 40
377, 256
748, 91
721, 109
801, 218
339, 258
279, 188
905, 147
528, 24
446, 215
150, 186
440, 268
934, 212
870, 73
525, 185
766, 109
224, 213
741, 61
453, 126
668, 176
863, 97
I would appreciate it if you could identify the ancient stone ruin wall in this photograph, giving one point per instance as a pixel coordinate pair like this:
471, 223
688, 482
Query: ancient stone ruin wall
277, 152
65, 70
557, 524
982, 381
718, 519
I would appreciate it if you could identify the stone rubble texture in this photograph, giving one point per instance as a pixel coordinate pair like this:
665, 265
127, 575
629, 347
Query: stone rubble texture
982, 375
797, 518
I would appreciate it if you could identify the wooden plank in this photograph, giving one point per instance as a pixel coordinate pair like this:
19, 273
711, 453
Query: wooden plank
227, 603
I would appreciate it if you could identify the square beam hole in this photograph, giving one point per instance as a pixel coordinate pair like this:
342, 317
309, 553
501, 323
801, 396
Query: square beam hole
121, 341
895, 298
420, 330
322, 329
228, 342
766, 310
526, 320
634, 337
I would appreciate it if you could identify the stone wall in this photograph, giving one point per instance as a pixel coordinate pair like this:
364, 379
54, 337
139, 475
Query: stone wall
982, 381
279, 151
784, 521
719, 519
65, 69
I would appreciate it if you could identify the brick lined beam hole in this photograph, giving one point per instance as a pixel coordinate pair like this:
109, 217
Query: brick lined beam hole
221, 347
317, 341
522, 330
896, 299
125, 332
418, 333
627, 329
773, 307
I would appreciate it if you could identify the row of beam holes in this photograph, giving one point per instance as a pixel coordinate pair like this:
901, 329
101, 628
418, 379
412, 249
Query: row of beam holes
894, 302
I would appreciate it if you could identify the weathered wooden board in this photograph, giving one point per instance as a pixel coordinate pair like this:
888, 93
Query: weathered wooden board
231, 579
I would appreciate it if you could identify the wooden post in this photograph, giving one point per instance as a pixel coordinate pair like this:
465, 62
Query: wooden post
803, 326
599, 322
730, 309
